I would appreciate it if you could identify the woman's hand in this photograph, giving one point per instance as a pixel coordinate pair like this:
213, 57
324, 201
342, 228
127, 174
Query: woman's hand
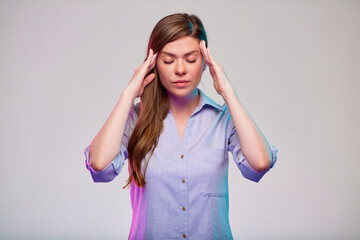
221, 82
138, 81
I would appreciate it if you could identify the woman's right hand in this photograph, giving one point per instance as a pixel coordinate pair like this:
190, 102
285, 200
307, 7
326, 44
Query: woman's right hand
138, 81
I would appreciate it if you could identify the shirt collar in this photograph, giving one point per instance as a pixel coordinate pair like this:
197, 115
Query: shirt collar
205, 100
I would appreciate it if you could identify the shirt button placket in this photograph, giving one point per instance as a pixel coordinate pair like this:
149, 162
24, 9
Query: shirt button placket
185, 197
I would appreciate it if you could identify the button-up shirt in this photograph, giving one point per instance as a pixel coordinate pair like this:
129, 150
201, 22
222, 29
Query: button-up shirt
186, 192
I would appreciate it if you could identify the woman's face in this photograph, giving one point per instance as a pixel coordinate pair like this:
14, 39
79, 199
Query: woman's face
180, 66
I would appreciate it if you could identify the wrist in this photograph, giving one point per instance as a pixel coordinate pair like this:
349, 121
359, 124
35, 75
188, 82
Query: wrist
228, 93
130, 93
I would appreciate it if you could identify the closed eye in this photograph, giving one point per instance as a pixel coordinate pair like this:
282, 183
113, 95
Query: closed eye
190, 61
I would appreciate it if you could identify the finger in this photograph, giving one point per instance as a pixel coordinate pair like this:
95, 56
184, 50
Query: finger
152, 64
151, 67
212, 60
201, 45
208, 58
212, 72
153, 61
149, 57
203, 50
155, 56
151, 53
148, 79
145, 67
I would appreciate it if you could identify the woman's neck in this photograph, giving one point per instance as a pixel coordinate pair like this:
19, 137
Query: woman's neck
184, 106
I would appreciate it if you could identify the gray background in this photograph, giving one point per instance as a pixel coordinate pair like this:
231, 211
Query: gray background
294, 65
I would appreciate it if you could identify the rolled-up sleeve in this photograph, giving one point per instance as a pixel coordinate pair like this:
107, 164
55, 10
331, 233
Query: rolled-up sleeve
111, 171
115, 167
239, 158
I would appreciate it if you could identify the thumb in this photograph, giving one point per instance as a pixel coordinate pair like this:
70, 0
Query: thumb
149, 79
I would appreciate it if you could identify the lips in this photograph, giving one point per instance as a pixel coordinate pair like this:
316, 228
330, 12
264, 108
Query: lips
181, 83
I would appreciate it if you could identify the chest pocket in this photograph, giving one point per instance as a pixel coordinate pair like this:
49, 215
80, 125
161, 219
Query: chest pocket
208, 169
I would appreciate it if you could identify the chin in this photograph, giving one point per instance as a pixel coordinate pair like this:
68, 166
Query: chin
182, 93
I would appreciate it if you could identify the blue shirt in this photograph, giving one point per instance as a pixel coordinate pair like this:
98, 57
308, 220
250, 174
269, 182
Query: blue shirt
186, 192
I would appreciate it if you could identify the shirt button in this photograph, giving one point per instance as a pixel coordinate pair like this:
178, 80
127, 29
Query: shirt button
182, 156
183, 181
183, 208
184, 235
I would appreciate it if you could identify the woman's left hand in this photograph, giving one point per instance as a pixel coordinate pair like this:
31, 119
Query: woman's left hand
220, 80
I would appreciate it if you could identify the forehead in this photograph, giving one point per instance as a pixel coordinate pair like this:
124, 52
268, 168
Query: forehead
182, 46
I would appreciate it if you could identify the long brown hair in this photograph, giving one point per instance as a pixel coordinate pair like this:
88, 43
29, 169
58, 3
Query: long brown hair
154, 100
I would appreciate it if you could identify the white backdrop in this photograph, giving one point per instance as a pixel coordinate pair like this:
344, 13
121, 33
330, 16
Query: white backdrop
294, 64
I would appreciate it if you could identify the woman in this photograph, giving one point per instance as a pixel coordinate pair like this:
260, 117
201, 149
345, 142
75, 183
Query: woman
177, 140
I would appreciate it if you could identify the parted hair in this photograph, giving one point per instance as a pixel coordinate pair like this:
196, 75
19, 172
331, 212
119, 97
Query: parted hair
154, 100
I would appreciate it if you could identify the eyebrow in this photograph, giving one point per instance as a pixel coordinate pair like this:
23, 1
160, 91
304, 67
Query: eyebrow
174, 55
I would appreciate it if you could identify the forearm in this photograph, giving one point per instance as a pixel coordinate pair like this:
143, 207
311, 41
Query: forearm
253, 144
107, 143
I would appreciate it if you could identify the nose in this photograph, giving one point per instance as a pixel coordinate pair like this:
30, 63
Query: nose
180, 68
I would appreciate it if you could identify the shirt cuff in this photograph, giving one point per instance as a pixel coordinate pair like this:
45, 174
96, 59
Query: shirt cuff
111, 171
274, 156
248, 172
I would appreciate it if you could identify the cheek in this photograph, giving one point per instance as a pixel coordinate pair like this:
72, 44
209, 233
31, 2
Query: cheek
161, 69
196, 69
164, 73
